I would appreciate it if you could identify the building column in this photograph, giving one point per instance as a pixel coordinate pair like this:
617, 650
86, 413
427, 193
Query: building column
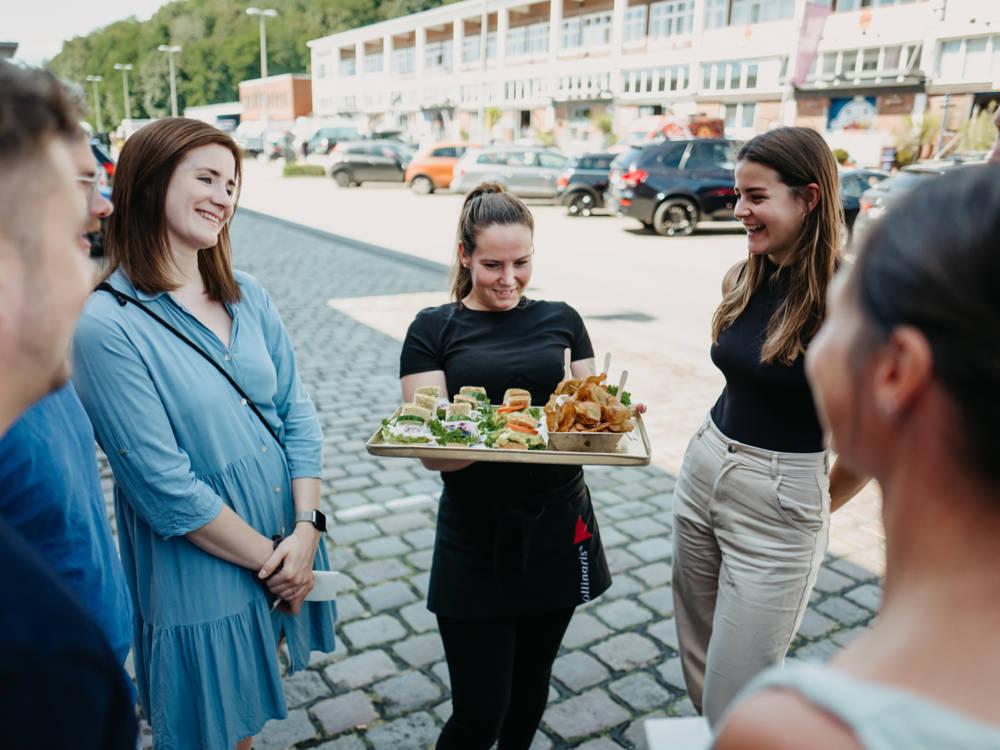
387, 55
697, 40
418, 52
359, 58
503, 19
457, 42
555, 27
617, 39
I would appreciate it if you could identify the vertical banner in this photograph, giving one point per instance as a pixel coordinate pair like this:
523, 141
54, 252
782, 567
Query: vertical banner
813, 21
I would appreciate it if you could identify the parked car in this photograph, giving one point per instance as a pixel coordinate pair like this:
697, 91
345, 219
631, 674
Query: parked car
433, 168
527, 171
583, 185
874, 201
672, 185
854, 182
354, 162
324, 140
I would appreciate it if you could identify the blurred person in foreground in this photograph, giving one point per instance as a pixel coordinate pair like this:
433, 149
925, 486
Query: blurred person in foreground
50, 488
53, 657
214, 493
906, 372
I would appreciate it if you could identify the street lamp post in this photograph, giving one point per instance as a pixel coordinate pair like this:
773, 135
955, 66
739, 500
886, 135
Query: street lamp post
263, 15
170, 49
125, 69
97, 102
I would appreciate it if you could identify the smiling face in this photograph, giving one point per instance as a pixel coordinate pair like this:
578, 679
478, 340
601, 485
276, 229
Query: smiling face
98, 207
770, 211
500, 267
200, 198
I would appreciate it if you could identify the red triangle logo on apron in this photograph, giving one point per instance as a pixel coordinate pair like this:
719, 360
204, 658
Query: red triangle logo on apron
581, 534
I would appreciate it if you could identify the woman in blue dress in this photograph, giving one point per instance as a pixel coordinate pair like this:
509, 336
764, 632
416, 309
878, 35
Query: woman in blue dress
202, 484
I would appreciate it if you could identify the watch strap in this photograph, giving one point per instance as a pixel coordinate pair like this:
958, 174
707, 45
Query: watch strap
315, 517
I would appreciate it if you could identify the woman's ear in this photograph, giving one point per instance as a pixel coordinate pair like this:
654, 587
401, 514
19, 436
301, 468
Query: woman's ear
462, 257
904, 370
810, 195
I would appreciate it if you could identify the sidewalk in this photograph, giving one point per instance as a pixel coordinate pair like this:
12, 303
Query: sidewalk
386, 686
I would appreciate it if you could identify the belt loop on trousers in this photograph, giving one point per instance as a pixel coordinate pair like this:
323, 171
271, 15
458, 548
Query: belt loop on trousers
826, 461
774, 465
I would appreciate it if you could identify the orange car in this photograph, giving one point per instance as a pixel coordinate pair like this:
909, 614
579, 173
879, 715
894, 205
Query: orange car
431, 168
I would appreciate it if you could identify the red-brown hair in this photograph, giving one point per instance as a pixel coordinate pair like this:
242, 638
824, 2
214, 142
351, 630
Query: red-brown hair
137, 232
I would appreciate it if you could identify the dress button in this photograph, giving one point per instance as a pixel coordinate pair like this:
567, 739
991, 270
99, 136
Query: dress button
263, 449
732, 449
243, 402
228, 357
277, 489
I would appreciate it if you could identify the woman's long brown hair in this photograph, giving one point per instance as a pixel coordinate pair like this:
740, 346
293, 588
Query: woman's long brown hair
800, 156
137, 232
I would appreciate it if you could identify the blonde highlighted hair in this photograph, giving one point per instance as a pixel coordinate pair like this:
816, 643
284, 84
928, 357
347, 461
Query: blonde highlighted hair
801, 157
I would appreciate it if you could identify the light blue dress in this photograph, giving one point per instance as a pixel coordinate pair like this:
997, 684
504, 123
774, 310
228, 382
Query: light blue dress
181, 443
882, 717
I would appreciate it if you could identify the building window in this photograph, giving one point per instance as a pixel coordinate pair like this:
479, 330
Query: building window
739, 115
759, 11
517, 41
570, 33
437, 55
538, 38
716, 13
751, 77
670, 18
729, 75
869, 59
470, 48
373, 63
635, 23
491, 45
596, 29
655, 80
348, 66
404, 60
321, 70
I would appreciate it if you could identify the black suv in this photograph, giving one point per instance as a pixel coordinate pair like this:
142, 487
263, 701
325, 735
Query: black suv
672, 185
583, 185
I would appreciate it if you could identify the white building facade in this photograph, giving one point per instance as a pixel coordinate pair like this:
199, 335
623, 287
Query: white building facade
561, 70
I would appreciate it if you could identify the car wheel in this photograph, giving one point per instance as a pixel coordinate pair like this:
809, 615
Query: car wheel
581, 204
646, 224
422, 185
675, 217
342, 178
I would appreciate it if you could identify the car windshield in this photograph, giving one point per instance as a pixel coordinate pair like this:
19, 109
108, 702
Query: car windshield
903, 180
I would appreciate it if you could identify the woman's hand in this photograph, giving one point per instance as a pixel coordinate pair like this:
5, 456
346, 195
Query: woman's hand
296, 555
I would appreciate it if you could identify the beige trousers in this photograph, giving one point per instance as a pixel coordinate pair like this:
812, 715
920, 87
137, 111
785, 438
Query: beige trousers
750, 530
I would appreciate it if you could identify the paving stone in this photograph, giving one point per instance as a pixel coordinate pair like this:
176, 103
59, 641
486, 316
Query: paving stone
623, 614
412, 502
387, 546
372, 631
640, 691
843, 611
421, 560
621, 511
353, 532
820, 651
443, 711
620, 560
379, 571
663, 501
634, 491
830, 581
382, 494
577, 670
660, 600
611, 537
420, 538
402, 522
814, 624
344, 712
665, 631
661, 483
440, 670
421, 582
845, 638
363, 669
349, 608
350, 742
848, 568
601, 743
540, 742
359, 513
683, 707
672, 673
341, 557
361, 467
869, 596
400, 476
426, 486
278, 734
636, 731
420, 649
583, 629
391, 595
584, 714
346, 484
419, 617
406, 691
346, 499
643, 528
650, 550
304, 687
416, 731
622, 586
626, 651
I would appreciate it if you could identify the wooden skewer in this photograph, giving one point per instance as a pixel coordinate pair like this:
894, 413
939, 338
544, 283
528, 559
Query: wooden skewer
621, 384
567, 370
607, 363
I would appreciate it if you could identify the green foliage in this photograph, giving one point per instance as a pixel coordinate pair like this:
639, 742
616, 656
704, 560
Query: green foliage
492, 115
978, 133
221, 47
303, 170
912, 137
841, 155
604, 123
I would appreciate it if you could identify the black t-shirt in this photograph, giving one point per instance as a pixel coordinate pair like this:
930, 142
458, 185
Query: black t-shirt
60, 684
518, 348
765, 405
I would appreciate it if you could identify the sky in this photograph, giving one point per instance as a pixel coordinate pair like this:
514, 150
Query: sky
40, 26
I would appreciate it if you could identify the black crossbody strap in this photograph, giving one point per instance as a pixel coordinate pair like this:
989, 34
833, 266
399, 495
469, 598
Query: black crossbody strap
124, 299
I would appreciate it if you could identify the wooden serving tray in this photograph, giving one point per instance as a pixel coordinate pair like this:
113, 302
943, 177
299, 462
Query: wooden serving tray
632, 450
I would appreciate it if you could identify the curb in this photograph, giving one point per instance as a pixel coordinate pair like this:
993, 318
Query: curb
367, 247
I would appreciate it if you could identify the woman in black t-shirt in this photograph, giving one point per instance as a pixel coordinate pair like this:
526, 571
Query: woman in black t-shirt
753, 497
517, 545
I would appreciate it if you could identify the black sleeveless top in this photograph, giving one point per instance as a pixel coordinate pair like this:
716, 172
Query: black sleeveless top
768, 406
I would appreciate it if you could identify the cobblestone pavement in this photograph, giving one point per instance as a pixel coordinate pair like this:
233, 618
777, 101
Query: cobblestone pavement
386, 686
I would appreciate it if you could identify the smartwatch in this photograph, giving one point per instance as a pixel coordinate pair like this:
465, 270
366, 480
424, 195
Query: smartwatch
316, 517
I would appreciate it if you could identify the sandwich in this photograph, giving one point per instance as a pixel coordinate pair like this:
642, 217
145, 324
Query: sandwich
463, 398
523, 419
515, 437
426, 401
409, 427
517, 396
459, 410
476, 391
430, 390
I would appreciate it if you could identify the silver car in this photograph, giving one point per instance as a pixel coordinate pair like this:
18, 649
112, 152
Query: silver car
527, 171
